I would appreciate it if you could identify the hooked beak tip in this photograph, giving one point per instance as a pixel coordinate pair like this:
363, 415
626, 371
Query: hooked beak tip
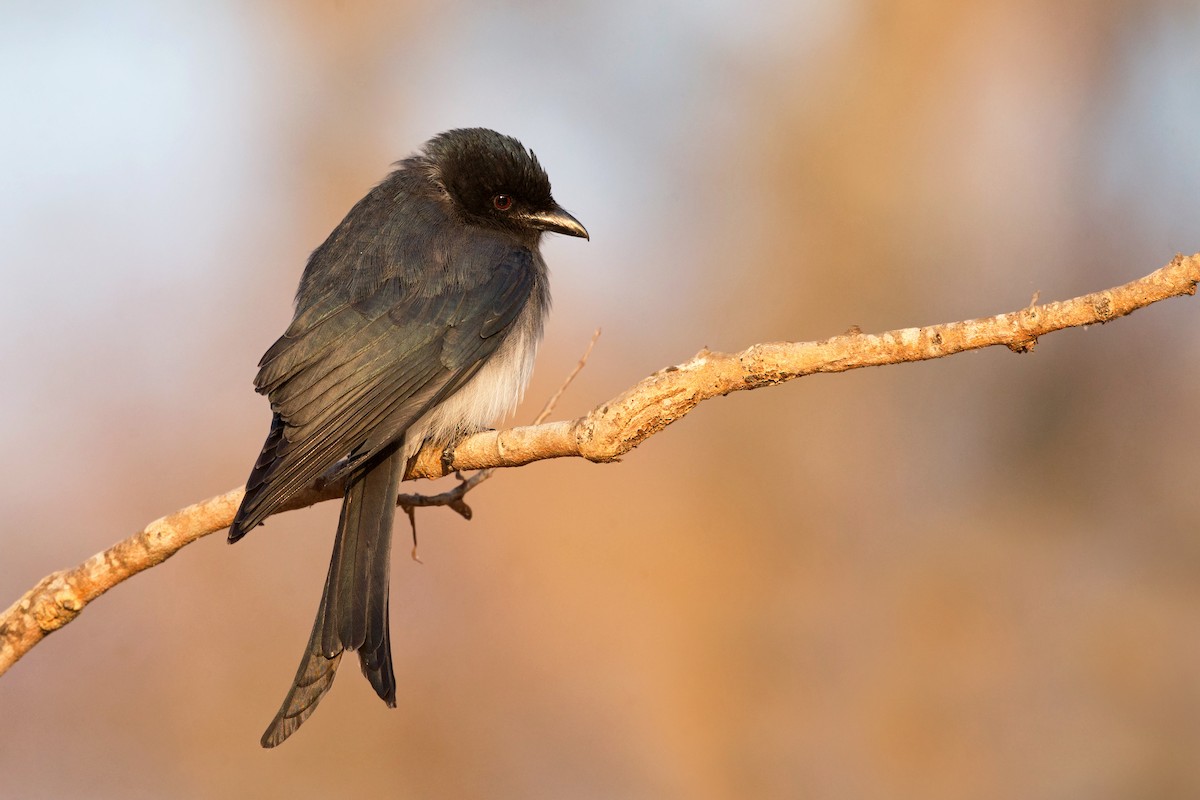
559, 221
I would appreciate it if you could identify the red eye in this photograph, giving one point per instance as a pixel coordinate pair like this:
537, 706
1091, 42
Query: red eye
502, 202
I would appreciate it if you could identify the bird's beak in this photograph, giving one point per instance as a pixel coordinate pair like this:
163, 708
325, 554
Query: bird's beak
558, 221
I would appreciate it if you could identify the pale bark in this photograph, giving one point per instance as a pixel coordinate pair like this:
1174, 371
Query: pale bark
607, 432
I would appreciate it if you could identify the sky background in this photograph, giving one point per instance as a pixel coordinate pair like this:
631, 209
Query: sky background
972, 578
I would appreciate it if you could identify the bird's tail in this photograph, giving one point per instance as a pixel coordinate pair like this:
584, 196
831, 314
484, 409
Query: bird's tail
353, 614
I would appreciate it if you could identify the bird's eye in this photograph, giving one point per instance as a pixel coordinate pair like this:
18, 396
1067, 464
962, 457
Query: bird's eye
502, 202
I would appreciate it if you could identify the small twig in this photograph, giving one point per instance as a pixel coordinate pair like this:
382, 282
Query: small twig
554, 398
412, 521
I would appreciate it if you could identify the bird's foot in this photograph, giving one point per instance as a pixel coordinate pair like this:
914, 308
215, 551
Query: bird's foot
448, 451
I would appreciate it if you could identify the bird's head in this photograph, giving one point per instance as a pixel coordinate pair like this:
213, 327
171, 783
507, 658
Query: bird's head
493, 181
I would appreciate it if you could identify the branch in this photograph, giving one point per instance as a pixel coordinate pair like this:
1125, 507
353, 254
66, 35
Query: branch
604, 434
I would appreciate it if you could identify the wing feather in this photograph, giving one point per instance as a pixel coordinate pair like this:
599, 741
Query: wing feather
349, 377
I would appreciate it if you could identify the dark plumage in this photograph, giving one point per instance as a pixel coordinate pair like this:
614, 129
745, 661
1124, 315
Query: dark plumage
416, 321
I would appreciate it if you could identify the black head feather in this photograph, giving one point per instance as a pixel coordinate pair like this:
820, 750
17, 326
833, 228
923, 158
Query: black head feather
478, 165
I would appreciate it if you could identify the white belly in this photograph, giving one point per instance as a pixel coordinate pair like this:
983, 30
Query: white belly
493, 393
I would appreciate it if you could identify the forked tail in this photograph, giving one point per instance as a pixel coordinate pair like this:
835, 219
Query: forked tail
353, 614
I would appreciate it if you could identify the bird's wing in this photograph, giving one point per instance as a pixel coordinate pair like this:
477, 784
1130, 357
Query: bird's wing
345, 369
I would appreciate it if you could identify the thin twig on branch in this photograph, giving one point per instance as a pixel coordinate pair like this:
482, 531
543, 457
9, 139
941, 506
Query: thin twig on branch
604, 434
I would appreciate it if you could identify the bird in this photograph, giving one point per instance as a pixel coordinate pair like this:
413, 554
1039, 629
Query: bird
416, 323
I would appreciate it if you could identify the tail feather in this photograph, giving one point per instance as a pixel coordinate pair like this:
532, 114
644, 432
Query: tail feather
353, 614
312, 681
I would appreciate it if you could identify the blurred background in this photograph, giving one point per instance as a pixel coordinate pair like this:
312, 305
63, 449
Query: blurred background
973, 578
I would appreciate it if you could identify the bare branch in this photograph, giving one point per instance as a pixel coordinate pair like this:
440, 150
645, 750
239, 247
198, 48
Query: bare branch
616, 427
604, 434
